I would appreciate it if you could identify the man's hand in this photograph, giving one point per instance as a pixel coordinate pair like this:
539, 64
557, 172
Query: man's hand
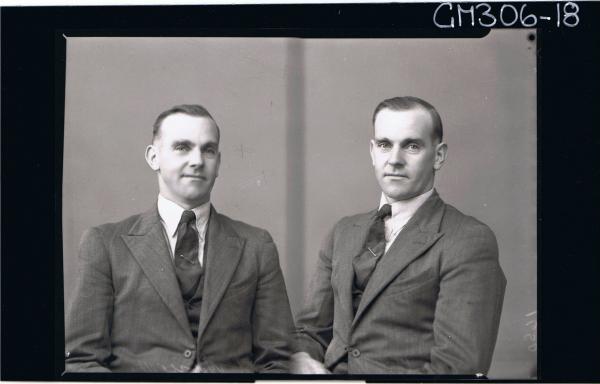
302, 363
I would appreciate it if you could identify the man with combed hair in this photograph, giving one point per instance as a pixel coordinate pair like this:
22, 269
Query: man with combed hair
180, 288
413, 287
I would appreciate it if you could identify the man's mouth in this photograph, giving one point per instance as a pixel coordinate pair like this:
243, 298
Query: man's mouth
194, 177
395, 175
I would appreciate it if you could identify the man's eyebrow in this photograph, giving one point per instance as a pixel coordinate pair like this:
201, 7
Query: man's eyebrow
410, 140
210, 144
381, 139
180, 142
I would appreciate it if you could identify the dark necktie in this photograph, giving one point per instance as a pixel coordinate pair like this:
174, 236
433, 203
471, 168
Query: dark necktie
365, 262
187, 266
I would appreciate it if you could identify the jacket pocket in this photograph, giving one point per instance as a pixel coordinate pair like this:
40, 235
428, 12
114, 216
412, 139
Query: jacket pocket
409, 284
239, 290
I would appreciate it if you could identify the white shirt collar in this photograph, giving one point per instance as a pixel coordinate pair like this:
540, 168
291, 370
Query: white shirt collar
403, 210
170, 213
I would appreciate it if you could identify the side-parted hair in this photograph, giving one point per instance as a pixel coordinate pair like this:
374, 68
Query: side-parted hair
188, 109
405, 103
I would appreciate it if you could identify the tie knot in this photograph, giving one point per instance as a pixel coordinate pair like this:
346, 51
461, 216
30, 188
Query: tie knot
384, 211
187, 217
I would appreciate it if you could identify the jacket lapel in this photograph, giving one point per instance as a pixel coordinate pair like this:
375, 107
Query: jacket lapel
350, 245
224, 250
147, 243
419, 234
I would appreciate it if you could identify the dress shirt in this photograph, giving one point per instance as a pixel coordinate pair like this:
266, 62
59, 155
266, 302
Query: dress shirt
402, 211
170, 215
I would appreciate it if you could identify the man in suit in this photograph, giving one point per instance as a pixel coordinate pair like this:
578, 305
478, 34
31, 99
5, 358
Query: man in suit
180, 288
414, 287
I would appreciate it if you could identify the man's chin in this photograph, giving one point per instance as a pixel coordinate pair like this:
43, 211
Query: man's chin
197, 200
194, 199
396, 194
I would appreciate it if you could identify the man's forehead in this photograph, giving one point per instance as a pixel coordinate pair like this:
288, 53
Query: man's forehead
411, 122
181, 126
185, 120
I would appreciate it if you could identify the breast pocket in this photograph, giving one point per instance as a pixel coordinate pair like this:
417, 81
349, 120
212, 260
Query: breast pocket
240, 291
411, 284
242, 284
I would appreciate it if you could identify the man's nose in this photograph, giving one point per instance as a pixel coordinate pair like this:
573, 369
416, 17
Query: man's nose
396, 156
195, 158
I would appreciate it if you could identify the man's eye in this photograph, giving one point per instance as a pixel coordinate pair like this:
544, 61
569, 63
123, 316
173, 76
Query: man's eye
181, 147
383, 145
210, 152
413, 147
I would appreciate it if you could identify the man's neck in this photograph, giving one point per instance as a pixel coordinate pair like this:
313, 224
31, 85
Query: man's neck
405, 207
170, 213
183, 204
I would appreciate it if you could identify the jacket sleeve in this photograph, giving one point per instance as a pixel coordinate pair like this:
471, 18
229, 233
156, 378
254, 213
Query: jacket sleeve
272, 320
469, 304
87, 322
315, 322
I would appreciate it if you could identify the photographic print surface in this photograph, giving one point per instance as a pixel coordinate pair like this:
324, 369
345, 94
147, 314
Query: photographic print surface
295, 119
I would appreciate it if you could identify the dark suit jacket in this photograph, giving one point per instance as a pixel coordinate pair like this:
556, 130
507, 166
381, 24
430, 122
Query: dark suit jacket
432, 305
128, 315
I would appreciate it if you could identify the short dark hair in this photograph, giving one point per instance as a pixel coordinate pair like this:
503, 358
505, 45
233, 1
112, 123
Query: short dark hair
188, 109
405, 103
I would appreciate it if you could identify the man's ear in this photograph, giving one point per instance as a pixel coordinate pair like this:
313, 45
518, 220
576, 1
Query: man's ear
371, 148
441, 150
152, 157
218, 163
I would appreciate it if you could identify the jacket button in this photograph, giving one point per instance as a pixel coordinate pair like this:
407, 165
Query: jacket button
187, 353
67, 354
355, 352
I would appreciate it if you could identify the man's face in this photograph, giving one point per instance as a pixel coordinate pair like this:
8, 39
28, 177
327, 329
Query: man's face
404, 154
186, 157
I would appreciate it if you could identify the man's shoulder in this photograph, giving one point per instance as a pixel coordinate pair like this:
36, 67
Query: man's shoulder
350, 221
243, 229
356, 218
115, 228
458, 224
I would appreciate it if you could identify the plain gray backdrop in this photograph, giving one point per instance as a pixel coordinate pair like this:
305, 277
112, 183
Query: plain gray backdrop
295, 118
